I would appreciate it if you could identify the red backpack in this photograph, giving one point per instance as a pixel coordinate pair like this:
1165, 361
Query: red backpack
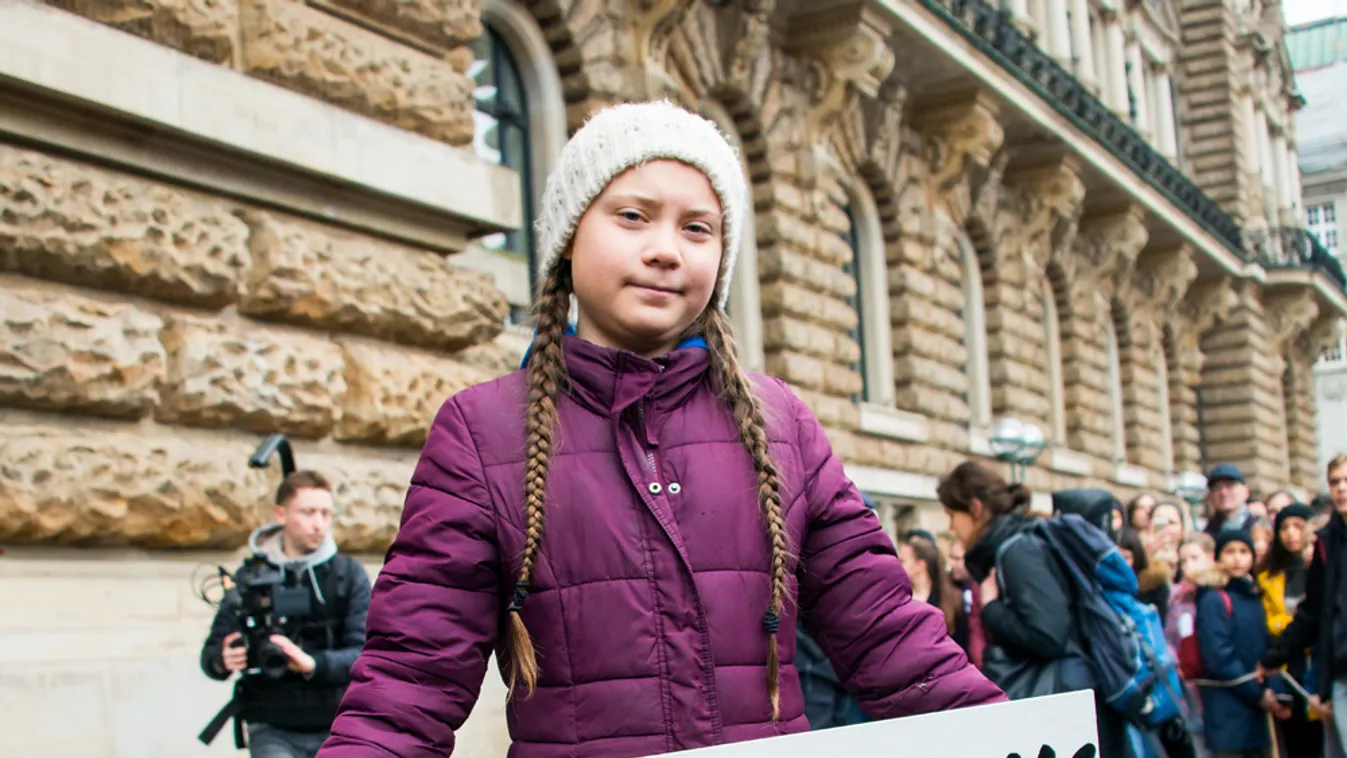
1190, 655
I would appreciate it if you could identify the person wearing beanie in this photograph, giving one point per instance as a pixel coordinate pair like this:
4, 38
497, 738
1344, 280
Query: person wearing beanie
1282, 575
1232, 634
632, 523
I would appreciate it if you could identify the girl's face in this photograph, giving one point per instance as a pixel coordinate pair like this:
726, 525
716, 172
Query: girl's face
1141, 514
645, 257
1194, 559
1127, 554
1261, 543
914, 567
1237, 560
1292, 534
962, 525
1117, 521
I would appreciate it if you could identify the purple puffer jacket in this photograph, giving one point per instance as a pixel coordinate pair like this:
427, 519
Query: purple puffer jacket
647, 604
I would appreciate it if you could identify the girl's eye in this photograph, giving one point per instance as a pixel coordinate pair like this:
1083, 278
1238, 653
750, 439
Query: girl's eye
630, 215
699, 228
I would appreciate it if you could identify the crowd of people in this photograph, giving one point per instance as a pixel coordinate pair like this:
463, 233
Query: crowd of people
633, 525
1229, 591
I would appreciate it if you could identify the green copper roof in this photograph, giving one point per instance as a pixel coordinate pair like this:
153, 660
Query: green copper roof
1316, 44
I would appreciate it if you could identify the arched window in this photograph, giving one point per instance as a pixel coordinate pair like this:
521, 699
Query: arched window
868, 267
501, 133
1053, 342
975, 336
1115, 392
745, 301
520, 123
1166, 417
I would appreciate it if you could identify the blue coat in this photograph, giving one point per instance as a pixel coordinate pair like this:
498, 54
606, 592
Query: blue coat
1231, 645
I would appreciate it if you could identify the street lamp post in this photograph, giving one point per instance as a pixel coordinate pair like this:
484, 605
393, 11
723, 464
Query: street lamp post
1191, 487
1017, 443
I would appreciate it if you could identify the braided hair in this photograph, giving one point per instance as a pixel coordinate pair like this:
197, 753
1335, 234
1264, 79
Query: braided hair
547, 380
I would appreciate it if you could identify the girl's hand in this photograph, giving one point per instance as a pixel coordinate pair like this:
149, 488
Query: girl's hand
990, 591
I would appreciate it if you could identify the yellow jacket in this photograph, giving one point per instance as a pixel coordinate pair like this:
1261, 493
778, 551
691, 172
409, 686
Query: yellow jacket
1274, 602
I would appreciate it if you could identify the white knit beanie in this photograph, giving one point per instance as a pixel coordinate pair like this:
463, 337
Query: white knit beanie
623, 136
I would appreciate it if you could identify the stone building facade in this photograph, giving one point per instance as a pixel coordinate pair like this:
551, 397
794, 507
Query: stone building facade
221, 220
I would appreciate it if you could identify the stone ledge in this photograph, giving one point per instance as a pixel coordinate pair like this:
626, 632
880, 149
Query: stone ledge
162, 100
1065, 461
1131, 476
880, 481
888, 422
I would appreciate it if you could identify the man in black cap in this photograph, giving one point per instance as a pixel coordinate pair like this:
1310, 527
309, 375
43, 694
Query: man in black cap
1227, 500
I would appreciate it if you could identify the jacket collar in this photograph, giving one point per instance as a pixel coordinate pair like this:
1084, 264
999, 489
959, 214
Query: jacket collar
608, 380
981, 557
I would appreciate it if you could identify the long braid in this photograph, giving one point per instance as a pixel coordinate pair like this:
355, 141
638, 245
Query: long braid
546, 380
748, 417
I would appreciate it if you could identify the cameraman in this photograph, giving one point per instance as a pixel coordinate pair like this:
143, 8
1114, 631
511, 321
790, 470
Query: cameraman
290, 716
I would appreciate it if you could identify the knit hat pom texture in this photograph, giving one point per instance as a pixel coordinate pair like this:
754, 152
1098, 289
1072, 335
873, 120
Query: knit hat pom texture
621, 137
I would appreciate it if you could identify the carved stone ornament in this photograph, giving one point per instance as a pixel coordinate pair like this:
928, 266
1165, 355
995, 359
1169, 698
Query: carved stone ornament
1109, 245
964, 137
1159, 281
1290, 315
848, 46
1040, 216
1205, 303
754, 34
1325, 332
651, 23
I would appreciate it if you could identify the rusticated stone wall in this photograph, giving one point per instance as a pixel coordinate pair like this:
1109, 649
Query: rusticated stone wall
152, 335
402, 63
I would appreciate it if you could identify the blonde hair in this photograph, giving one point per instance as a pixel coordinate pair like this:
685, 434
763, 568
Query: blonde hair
1337, 461
1202, 540
546, 381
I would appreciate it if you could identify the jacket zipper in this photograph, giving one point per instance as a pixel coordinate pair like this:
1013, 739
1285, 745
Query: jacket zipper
640, 423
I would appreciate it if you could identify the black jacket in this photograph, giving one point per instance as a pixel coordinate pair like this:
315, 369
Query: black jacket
294, 701
1315, 616
1032, 618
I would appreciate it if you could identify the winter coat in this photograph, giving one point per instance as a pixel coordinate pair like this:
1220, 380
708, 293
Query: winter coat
1231, 644
1031, 620
1316, 615
1181, 619
1273, 587
826, 703
1153, 586
646, 605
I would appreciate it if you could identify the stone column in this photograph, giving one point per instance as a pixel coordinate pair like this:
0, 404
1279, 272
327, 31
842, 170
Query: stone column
1283, 163
1082, 42
1059, 33
1166, 136
1117, 66
1202, 306
1242, 383
1260, 133
1136, 78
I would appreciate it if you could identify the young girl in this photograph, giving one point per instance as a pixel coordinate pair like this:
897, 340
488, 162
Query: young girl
1282, 576
931, 583
1197, 555
1232, 634
632, 523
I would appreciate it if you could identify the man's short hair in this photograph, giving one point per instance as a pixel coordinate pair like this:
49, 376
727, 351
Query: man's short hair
300, 480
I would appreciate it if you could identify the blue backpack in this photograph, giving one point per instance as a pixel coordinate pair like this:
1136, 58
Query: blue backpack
1134, 671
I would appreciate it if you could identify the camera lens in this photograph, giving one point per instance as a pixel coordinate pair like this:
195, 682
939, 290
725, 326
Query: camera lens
274, 663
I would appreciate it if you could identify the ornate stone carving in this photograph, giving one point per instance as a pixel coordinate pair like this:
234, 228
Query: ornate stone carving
754, 33
848, 52
872, 133
1040, 217
1324, 333
1289, 315
1205, 303
964, 137
1108, 246
652, 22
1159, 281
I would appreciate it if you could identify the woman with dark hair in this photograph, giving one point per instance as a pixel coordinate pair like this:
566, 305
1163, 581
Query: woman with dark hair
1139, 512
1282, 575
931, 583
1034, 648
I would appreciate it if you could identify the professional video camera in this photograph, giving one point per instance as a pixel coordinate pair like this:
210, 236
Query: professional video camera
260, 601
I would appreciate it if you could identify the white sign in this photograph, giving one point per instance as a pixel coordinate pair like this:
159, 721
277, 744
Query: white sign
1056, 726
